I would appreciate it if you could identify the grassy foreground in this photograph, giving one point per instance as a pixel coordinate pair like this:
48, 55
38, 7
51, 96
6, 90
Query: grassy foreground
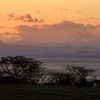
23, 92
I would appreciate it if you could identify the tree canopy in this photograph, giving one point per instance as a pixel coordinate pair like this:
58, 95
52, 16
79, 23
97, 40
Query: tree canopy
80, 73
28, 70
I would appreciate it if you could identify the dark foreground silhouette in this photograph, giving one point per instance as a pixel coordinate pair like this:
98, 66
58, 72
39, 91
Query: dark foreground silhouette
22, 70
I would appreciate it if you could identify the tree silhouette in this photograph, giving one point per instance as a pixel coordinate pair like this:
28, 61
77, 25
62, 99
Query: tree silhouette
28, 70
59, 78
80, 72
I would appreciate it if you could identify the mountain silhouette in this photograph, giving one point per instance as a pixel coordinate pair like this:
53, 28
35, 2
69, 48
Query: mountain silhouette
14, 49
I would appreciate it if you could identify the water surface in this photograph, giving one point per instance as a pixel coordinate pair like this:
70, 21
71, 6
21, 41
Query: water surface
57, 64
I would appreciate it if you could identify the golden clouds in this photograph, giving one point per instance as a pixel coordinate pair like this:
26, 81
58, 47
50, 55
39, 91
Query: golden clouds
24, 18
28, 18
64, 32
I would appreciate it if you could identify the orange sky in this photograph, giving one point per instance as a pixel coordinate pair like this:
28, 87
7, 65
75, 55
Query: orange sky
43, 20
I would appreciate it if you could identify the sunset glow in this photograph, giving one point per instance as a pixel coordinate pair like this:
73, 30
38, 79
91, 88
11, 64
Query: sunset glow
74, 22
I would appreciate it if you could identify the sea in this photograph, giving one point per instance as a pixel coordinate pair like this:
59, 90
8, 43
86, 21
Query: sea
57, 64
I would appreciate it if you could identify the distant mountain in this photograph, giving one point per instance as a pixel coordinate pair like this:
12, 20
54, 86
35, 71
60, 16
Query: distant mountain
45, 55
84, 54
14, 49
80, 54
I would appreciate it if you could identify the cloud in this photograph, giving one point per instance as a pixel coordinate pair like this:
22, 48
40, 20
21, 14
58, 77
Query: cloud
79, 11
65, 9
65, 31
92, 18
28, 18
91, 26
11, 16
24, 18
19, 18
2, 27
7, 34
87, 19
97, 25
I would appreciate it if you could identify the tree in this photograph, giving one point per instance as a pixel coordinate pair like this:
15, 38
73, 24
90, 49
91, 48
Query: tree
59, 78
80, 72
28, 70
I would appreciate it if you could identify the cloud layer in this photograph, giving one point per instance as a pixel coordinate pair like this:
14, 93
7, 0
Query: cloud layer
64, 32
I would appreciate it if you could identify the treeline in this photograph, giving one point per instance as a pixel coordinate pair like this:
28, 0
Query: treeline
22, 70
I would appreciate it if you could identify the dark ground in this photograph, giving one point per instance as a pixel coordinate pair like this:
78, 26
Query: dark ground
36, 92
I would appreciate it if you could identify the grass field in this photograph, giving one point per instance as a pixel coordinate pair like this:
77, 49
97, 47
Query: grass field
19, 92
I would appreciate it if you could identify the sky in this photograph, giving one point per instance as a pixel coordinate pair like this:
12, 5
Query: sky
50, 22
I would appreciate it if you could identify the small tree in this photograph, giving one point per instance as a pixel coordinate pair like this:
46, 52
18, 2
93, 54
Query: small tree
59, 78
80, 72
28, 70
